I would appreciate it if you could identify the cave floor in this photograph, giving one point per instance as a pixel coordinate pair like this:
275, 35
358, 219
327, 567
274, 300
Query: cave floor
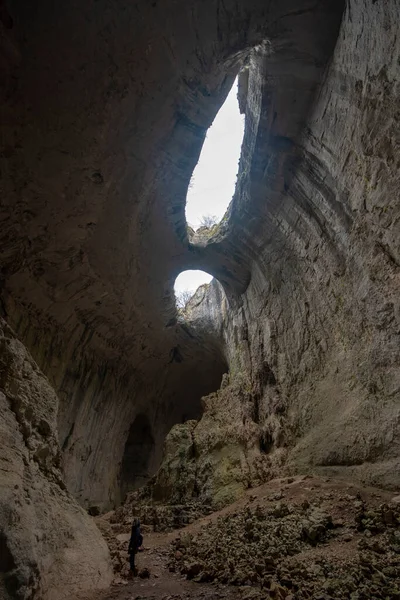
338, 551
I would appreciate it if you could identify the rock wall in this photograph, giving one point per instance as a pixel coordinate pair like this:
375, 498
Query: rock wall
322, 308
49, 547
314, 342
211, 462
105, 109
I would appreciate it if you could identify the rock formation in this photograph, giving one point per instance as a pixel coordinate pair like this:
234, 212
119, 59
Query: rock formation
288, 550
105, 106
313, 345
49, 548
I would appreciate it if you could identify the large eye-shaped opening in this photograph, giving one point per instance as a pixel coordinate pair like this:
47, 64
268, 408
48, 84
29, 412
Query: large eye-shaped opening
213, 181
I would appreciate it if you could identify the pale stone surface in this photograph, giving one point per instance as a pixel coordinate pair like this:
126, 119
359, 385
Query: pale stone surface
101, 133
49, 547
104, 111
318, 329
214, 460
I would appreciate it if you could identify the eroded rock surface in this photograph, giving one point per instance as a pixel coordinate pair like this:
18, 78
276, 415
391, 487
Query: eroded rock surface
49, 547
286, 550
92, 215
315, 337
105, 107
208, 464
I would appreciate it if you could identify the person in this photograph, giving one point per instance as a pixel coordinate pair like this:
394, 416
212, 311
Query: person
134, 543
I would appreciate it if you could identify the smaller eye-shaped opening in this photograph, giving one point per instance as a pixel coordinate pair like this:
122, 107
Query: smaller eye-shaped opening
187, 283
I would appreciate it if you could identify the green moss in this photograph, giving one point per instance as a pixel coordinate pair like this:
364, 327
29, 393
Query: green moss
227, 494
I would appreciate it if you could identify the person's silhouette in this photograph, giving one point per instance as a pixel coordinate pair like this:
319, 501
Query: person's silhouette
134, 543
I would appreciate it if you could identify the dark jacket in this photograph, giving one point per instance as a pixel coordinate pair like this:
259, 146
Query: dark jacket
136, 539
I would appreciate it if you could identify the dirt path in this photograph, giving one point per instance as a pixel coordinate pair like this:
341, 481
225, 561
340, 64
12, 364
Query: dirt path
162, 584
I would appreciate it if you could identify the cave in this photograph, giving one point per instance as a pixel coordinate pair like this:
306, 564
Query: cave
6, 559
138, 453
287, 363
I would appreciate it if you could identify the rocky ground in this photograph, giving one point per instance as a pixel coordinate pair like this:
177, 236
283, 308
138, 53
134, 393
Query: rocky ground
293, 539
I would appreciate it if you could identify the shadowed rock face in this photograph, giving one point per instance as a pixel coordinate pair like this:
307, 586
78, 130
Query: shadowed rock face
138, 455
106, 106
316, 335
49, 548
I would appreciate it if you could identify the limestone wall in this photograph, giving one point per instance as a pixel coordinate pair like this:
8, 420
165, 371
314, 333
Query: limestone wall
100, 136
50, 547
316, 335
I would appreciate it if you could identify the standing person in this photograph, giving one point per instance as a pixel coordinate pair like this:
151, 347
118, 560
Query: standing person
134, 543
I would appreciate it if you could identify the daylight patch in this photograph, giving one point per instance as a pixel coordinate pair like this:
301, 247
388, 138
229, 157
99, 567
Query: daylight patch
187, 283
213, 182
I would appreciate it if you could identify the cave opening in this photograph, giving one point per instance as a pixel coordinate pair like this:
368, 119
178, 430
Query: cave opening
212, 185
137, 461
6, 558
187, 283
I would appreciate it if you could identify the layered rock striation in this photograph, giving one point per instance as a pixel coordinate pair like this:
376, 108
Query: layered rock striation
313, 343
49, 546
105, 107
105, 110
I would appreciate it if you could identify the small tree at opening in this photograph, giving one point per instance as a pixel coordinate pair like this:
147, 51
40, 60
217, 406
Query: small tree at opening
208, 221
182, 298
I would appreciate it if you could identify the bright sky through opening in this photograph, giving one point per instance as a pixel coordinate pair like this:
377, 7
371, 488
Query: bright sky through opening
191, 280
213, 182
214, 177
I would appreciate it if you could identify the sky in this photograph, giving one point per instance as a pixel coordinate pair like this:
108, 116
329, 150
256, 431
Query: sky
214, 177
190, 280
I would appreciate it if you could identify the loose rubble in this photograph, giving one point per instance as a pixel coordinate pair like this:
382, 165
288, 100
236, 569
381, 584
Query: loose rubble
155, 516
271, 551
296, 538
